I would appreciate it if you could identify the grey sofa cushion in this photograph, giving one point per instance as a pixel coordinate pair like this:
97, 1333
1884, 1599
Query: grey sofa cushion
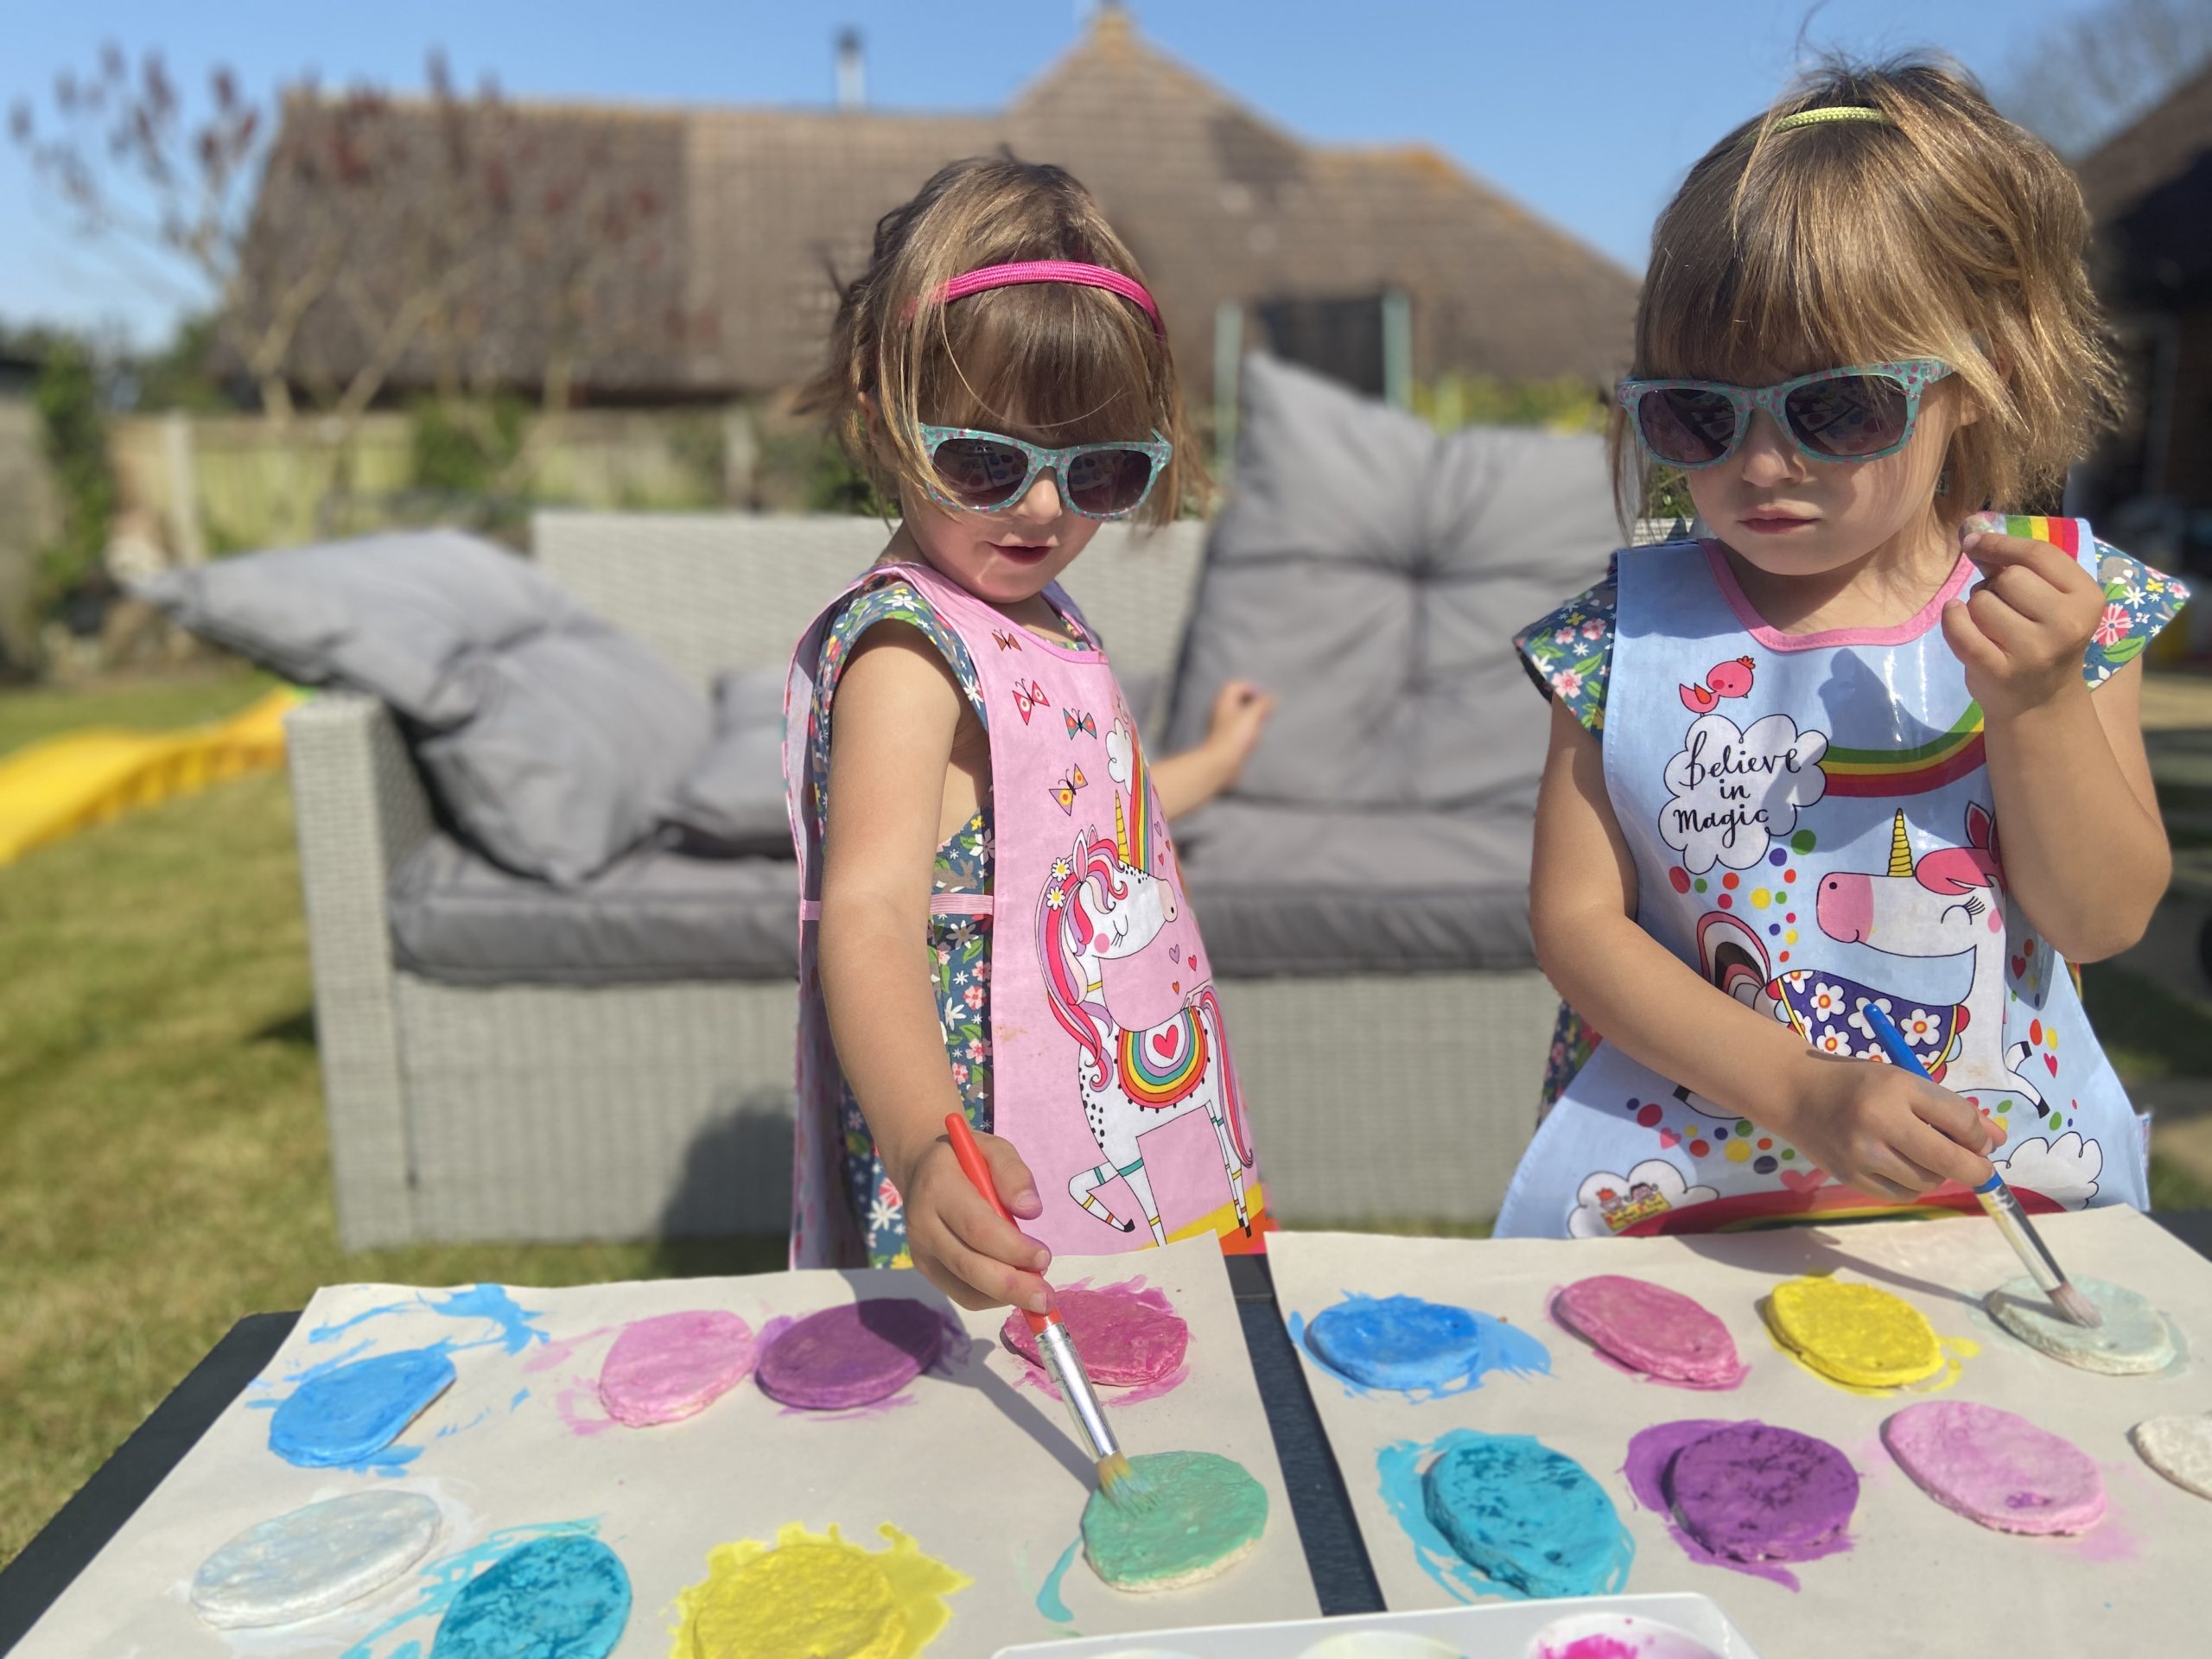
1370, 573
731, 803
553, 742
1308, 890
653, 914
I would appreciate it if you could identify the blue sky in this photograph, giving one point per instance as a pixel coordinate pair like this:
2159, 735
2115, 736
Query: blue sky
1588, 111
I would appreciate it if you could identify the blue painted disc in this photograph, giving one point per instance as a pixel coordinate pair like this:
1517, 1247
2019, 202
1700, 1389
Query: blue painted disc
1396, 1342
565, 1597
1526, 1517
349, 1414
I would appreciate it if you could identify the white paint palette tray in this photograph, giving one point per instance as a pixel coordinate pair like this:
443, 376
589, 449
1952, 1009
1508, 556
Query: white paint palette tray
1501, 1631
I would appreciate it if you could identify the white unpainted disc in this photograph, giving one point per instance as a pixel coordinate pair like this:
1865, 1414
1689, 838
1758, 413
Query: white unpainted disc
311, 1562
2180, 1448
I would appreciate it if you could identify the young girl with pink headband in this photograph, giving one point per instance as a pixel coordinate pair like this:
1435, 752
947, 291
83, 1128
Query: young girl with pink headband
992, 920
1867, 744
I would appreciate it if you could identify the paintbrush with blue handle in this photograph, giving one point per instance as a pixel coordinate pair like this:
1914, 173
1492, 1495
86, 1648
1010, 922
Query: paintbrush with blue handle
2001, 1202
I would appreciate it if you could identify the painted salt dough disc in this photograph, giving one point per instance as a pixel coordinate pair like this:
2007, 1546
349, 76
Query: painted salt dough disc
852, 1356
1753, 1492
1207, 1514
1526, 1515
2180, 1448
1651, 1329
1396, 1342
561, 1598
1124, 1341
348, 1414
672, 1366
801, 1598
1996, 1468
2134, 1338
311, 1561
1855, 1333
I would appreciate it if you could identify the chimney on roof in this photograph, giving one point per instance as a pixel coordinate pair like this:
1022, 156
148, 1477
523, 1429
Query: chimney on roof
1110, 20
852, 71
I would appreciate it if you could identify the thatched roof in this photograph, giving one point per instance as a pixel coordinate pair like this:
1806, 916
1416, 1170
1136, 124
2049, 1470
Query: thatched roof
755, 208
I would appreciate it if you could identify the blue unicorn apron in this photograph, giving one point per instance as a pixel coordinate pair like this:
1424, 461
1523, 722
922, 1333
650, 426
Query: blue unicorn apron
1813, 831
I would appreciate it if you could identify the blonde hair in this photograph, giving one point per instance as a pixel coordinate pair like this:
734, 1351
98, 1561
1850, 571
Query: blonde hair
1055, 363
1941, 230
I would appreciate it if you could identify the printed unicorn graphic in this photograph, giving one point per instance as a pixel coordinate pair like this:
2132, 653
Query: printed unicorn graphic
1148, 1051
1947, 903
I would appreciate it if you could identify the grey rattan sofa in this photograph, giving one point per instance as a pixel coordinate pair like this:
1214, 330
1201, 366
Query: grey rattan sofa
564, 1111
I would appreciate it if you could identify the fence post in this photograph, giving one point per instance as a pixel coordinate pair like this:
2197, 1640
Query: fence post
186, 539
741, 456
1228, 357
1398, 348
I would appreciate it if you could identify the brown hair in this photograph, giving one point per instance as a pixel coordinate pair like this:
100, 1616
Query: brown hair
1943, 230
1055, 363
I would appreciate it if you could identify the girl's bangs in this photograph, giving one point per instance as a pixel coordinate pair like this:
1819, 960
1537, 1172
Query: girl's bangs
1053, 364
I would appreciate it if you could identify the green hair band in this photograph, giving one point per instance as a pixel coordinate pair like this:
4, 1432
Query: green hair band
1833, 112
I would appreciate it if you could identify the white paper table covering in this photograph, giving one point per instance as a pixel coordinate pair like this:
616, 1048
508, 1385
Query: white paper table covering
981, 1473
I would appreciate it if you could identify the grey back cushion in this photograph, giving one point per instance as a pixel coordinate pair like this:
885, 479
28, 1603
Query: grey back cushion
731, 804
1370, 573
551, 741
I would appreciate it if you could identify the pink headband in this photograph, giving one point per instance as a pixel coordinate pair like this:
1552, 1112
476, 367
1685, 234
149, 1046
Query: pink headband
1050, 271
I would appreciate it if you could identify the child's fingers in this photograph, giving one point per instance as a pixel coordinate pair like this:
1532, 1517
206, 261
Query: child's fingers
1011, 1176
977, 1282
1999, 623
1969, 644
1948, 1137
2026, 591
1995, 552
976, 1226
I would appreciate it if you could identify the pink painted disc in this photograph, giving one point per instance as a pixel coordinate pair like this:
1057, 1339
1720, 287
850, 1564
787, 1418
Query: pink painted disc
1123, 1339
1996, 1468
673, 1365
1650, 1329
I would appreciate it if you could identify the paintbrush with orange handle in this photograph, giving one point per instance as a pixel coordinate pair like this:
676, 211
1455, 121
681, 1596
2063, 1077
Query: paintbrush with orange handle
1056, 1347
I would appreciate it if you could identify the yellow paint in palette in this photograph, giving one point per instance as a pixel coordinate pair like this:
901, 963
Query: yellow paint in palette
1862, 1338
815, 1596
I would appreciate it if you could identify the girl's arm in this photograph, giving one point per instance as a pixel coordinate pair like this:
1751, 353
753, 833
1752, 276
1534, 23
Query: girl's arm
1189, 780
1873, 1127
898, 712
2080, 838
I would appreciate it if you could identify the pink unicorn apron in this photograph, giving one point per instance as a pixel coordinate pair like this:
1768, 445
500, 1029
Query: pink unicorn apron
1112, 1074
1813, 831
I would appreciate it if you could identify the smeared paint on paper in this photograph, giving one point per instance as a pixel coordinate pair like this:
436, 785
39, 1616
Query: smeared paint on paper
1504, 1515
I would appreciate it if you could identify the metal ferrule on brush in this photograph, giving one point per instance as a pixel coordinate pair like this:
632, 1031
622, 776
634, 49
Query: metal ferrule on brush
1056, 1348
2004, 1209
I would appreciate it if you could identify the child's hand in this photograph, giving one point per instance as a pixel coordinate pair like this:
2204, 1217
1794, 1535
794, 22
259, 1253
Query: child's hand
1240, 711
2022, 631
957, 1240
1885, 1132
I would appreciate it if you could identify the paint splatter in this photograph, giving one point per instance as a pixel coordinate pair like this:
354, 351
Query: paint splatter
1536, 1519
1049, 1602
554, 1598
1426, 1350
815, 1594
511, 1324
1744, 1495
348, 1417
443, 1580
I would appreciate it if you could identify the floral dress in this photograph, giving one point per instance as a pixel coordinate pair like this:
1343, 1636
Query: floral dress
960, 946
1569, 654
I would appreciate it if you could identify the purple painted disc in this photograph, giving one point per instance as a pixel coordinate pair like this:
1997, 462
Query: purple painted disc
1754, 1493
851, 1356
1124, 1341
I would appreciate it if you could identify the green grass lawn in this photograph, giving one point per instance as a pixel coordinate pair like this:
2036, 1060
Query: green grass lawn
163, 1167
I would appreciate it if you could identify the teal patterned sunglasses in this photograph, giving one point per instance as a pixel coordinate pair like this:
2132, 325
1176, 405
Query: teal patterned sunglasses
1860, 413
984, 472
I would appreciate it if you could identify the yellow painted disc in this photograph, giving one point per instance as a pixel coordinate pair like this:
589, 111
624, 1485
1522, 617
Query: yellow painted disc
799, 1601
1855, 1333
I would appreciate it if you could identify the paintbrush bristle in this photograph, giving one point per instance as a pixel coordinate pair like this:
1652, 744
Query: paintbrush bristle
1122, 1485
2076, 1306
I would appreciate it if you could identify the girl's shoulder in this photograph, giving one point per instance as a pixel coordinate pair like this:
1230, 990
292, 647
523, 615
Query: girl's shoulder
2139, 602
1568, 651
890, 598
